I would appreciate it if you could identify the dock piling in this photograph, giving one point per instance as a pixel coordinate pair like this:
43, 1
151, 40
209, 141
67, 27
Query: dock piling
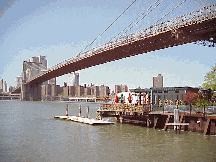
87, 112
67, 110
79, 114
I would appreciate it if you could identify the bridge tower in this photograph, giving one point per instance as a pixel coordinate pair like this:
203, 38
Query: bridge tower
29, 92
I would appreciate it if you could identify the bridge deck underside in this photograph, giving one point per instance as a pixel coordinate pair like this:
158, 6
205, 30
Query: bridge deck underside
186, 34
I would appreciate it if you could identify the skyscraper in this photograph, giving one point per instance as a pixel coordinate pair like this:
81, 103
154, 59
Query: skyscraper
73, 79
3, 86
121, 88
18, 80
158, 81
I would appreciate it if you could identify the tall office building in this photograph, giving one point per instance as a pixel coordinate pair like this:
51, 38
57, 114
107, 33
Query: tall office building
73, 79
18, 81
3, 86
121, 88
52, 81
158, 81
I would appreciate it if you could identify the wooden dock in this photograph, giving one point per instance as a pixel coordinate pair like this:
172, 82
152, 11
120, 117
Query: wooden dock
140, 115
85, 120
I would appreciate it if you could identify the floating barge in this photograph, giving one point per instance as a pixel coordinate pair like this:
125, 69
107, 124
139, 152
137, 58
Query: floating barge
85, 120
140, 115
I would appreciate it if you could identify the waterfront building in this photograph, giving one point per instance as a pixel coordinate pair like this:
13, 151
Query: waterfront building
52, 81
104, 91
53, 90
71, 90
48, 89
43, 90
95, 91
121, 88
87, 91
79, 90
164, 96
158, 81
74, 91
59, 90
66, 91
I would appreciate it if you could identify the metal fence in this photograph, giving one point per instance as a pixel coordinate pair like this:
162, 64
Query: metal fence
186, 109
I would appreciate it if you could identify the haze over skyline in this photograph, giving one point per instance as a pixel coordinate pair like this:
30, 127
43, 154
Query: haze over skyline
60, 29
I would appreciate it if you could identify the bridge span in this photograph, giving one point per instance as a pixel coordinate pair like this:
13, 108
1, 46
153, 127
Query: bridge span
192, 27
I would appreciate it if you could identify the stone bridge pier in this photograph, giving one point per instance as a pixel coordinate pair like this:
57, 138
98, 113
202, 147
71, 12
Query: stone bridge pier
31, 92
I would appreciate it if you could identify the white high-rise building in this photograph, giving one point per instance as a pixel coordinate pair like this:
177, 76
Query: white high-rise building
18, 81
3, 86
73, 79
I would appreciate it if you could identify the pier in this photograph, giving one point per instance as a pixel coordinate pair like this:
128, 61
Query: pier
140, 115
85, 120
82, 119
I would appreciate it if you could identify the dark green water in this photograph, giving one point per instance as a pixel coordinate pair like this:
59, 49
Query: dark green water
28, 132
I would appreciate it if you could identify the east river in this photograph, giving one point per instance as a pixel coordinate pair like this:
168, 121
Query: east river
29, 132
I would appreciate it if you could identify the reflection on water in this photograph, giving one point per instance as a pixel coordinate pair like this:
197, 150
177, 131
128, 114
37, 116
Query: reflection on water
28, 132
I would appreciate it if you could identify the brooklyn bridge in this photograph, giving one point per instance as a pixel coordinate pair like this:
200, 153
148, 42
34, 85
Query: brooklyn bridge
196, 26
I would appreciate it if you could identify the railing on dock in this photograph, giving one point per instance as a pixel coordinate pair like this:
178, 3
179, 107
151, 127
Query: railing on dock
186, 109
125, 107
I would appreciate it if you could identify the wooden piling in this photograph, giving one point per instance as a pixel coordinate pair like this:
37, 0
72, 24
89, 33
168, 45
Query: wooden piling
67, 110
155, 122
87, 112
206, 126
167, 121
79, 114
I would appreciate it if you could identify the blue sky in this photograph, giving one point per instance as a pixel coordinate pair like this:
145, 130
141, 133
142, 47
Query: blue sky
60, 29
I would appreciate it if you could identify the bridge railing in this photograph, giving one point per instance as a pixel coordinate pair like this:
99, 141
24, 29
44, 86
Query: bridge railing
194, 17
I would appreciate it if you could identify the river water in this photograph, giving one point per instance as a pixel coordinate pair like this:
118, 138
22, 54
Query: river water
29, 132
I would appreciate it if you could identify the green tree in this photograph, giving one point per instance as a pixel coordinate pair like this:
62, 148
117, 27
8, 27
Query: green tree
210, 82
210, 79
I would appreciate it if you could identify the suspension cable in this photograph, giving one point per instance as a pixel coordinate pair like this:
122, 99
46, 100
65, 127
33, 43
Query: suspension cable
137, 19
108, 26
145, 15
171, 11
133, 22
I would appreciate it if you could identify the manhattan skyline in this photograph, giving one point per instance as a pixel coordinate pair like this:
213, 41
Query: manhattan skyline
61, 29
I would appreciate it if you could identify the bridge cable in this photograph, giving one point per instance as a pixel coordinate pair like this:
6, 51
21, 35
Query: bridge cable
145, 15
171, 11
108, 26
138, 18
132, 22
149, 13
